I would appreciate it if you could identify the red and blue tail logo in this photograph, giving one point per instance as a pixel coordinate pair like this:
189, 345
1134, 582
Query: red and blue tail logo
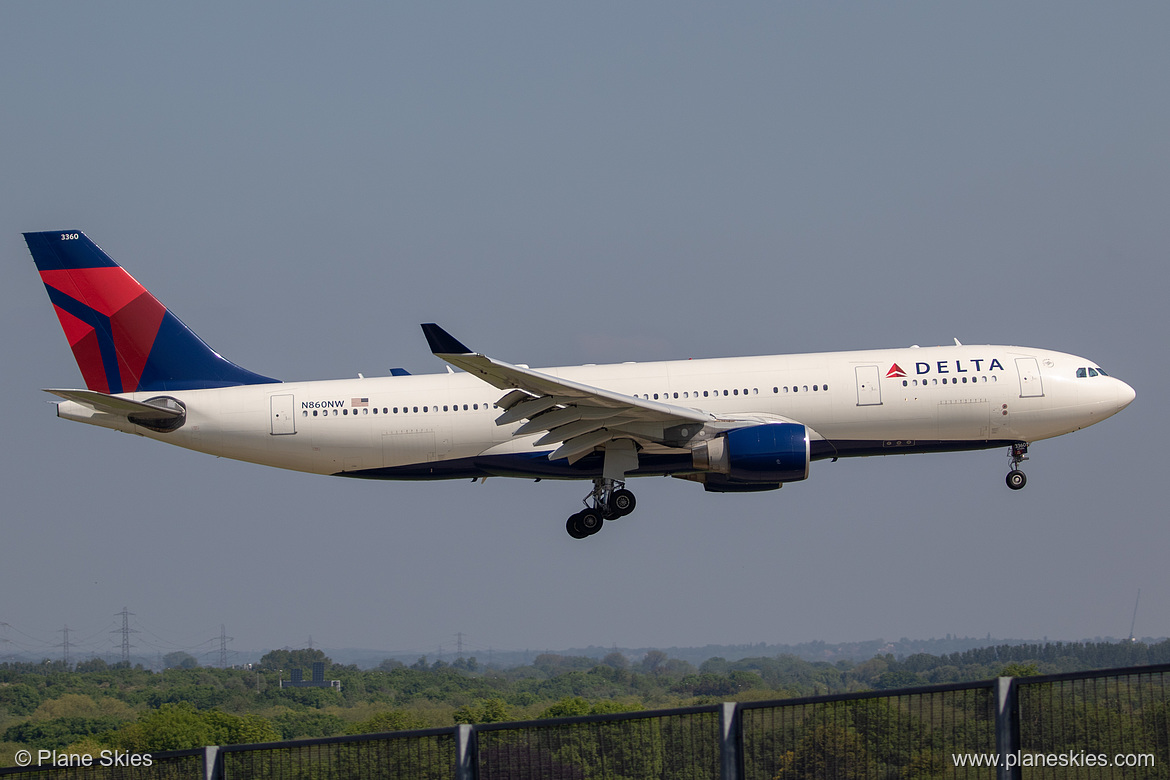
124, 340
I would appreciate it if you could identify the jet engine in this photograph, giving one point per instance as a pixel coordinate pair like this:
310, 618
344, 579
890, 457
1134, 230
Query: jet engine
759, 455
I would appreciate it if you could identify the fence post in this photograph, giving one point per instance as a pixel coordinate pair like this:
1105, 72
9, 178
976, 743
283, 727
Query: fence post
1007, 727
466, 744
212, 763
730, 739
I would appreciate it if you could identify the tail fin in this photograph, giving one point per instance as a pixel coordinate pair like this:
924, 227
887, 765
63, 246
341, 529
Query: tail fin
124, 340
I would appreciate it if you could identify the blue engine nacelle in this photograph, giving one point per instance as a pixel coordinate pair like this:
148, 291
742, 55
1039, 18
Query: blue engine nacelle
771, 454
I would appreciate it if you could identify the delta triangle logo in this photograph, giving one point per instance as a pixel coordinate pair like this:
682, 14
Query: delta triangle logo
895, 371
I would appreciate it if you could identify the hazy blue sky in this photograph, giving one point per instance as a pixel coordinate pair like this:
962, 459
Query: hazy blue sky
304, 183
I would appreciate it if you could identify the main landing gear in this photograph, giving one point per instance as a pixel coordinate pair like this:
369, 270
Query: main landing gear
609, 500
1016, 479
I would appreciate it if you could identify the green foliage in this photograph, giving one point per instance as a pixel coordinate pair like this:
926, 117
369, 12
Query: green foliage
170, 727
573, 706
1016, 669
292, 659
492, 710
179, 660
181, 726
79, 705
48, 704
389, 720
568, 707
19, 699
307, 724
59, 732
827, 749
239, 729
897, 678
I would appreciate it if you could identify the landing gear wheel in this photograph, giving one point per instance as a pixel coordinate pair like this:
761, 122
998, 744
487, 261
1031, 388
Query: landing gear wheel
590, 521
621, 503
574, 527
1016, 479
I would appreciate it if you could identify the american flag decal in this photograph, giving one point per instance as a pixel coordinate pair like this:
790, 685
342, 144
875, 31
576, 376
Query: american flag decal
357, 402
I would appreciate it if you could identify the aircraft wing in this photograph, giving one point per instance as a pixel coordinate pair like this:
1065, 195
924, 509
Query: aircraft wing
119, 407
581, 417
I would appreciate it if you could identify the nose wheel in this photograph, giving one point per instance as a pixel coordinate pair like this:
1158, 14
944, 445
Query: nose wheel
608, 500
1016, 479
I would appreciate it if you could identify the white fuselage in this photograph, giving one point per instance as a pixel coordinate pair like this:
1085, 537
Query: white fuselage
443, 425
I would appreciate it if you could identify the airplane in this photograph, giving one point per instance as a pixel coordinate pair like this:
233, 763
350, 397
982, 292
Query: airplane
732, 424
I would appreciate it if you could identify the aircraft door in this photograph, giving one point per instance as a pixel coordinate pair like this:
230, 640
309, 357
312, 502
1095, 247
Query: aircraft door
869, 389
283, 419
1031, 385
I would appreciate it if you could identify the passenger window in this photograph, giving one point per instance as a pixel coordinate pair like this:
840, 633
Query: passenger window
725, 392
806, 388
786, 388
367, 411
824, 387
735, 391
416, 410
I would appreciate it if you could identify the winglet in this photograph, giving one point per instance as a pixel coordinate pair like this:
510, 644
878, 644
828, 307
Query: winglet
442, 342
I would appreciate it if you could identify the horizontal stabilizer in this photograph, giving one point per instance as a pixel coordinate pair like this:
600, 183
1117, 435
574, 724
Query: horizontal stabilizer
119, 407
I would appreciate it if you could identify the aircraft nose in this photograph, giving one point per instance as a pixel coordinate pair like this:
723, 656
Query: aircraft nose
1125, 394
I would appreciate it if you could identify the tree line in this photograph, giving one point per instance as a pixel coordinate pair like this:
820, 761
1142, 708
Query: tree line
94, 705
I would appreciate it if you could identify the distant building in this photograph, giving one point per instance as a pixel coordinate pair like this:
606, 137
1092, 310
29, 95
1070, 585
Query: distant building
318, 681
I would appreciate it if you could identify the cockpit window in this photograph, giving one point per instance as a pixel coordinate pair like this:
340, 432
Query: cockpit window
1101, 371
1081, 373
1092, 372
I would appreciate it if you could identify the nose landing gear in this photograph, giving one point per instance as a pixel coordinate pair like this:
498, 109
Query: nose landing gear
1016, 479
608, 500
